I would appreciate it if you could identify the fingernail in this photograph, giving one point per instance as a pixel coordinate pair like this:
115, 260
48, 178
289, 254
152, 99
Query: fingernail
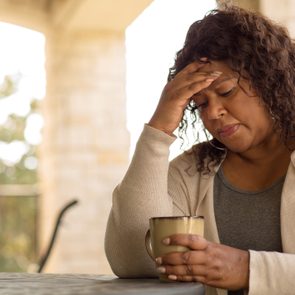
166, 241
172, 277
210, 79
159, 260
161, 269
216, 73
203, 59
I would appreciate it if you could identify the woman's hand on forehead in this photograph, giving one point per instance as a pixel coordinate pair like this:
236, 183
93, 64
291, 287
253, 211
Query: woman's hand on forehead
177, 94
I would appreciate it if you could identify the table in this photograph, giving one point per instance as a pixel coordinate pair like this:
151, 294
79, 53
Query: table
80, 284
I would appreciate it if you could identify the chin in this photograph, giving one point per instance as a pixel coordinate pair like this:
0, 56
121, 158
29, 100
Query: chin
237, 151
237, 148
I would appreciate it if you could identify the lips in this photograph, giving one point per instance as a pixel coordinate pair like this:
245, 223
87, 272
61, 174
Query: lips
228, 130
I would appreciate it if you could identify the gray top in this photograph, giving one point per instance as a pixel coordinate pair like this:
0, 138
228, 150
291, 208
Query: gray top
248, 220
77, 284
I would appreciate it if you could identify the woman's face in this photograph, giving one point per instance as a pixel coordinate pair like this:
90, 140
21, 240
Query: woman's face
232, 112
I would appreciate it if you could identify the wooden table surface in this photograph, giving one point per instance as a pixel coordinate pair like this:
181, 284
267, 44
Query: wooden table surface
76, 284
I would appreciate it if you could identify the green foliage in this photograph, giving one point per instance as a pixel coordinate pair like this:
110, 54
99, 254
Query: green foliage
13, 128
17, 214
9, 86
18, 233
18, 173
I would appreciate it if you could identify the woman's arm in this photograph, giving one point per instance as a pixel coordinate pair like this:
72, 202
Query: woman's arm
142, 194
271, 273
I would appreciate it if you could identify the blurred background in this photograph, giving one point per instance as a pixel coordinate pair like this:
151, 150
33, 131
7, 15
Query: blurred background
78, 80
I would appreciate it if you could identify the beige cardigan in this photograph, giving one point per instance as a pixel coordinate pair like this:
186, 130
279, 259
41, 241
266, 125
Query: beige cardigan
143, 194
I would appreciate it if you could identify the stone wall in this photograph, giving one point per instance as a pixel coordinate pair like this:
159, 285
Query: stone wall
282, 12
247, 4
85, 145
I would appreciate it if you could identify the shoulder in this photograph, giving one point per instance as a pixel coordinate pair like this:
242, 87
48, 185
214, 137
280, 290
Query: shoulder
197, 160
187, 161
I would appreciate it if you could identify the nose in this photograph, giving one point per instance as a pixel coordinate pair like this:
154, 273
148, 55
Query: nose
215, 109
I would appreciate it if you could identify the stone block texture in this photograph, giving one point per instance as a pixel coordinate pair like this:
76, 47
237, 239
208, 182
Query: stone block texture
85, 144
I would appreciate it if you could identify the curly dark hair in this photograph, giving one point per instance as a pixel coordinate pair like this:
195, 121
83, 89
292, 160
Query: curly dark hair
254, 47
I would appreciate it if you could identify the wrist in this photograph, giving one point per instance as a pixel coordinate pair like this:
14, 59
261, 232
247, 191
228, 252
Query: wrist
161, 128
245, 258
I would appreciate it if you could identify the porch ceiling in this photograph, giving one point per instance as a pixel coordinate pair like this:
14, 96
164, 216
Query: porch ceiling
113, 15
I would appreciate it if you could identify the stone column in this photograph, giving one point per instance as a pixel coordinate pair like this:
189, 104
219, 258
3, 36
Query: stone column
253, 5
282, 12
85, 144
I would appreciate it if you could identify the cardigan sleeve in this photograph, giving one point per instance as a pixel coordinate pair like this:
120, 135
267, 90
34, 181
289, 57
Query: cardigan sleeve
271, 273
142, 194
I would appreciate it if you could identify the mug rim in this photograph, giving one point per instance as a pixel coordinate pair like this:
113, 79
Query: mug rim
177, 217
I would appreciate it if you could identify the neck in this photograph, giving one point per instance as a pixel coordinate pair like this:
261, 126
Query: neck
259, 167
264, 153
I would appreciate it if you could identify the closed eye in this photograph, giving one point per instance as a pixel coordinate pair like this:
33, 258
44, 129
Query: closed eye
200, 107
227, 93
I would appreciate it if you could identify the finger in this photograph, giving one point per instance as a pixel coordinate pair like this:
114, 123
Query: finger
187, 91
190, 270
201, 75
204, 59
182, 278
186, 80
194, 242
198, 279
192, 67
188, 257
183, 270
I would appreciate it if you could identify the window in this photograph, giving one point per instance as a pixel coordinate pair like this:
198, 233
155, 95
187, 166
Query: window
22, 87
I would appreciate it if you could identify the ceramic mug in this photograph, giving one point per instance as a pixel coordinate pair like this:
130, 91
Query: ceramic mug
162, 227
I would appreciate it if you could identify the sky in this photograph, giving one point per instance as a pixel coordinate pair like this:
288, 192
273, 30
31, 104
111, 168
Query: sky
22, 54
151, 43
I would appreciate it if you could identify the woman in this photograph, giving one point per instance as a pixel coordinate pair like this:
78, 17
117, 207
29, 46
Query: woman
236, 72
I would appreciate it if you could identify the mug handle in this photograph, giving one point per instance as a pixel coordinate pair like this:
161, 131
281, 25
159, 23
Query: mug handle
148, 244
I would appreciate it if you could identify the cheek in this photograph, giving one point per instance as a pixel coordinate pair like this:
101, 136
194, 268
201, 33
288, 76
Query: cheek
265, 124
258, 116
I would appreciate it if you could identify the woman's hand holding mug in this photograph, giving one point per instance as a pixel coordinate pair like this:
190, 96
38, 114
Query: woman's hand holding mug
209, 263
